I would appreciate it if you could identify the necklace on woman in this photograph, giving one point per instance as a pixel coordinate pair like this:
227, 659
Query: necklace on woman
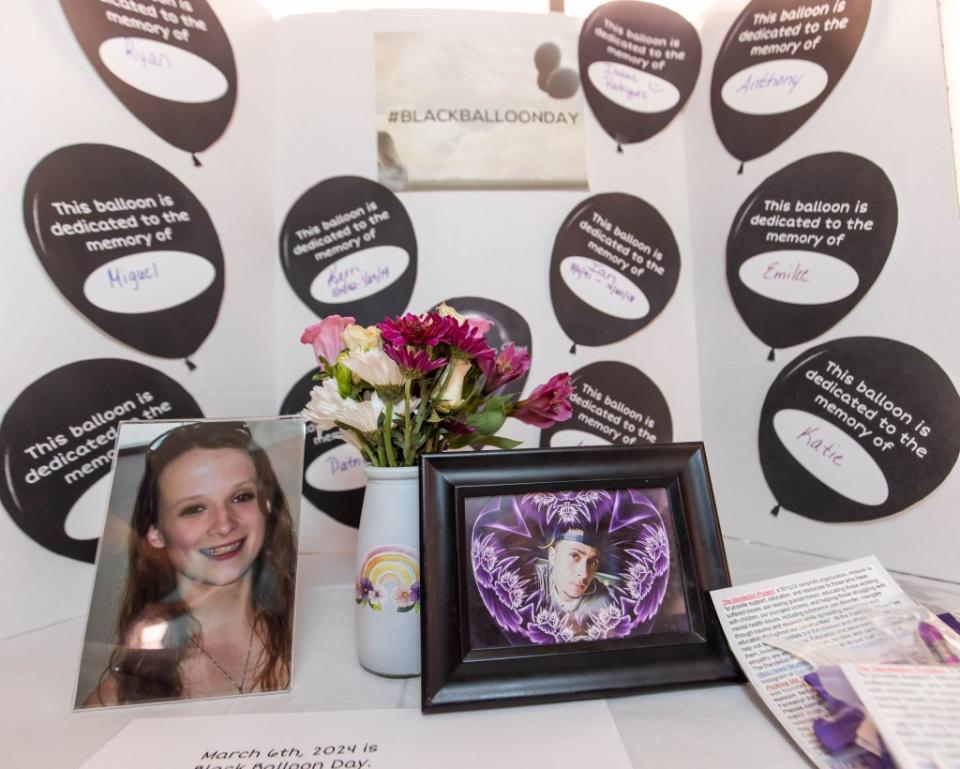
222, 669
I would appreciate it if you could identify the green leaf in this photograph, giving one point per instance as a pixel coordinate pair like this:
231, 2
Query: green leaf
497, 441
487, 422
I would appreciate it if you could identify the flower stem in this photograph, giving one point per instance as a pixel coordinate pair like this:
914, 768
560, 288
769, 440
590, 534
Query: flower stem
407, 460
388, 434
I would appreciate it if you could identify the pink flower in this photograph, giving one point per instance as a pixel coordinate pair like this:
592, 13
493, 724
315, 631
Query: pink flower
414, 330
512, 363
548, 404
479, 324
410, 359
327, 337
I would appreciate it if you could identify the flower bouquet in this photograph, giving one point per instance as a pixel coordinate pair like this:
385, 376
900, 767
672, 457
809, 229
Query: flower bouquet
422, 383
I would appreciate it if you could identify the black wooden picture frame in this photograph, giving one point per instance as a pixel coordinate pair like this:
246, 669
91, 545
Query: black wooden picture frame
460, 674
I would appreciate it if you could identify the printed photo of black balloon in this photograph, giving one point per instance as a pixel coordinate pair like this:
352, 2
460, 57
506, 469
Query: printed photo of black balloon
808, 244
556, 81
639, 63
614, 404
857, 429
57, 446
333, 478
347, 247
128, 245
765, 87
614, 267
173, 69
509, 326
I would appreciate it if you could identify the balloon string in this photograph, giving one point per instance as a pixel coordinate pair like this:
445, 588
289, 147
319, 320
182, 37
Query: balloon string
776, 510
573, 348
196, 160
771, 355
191, 366
619, 148
740, 171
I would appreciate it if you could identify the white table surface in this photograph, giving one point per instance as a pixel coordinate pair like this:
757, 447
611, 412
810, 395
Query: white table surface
718, 725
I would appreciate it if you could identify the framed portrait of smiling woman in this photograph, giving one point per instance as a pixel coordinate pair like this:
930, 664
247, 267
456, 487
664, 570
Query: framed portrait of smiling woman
194, 588
568, 573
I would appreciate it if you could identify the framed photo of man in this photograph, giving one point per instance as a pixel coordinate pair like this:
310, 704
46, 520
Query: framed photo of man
564, 573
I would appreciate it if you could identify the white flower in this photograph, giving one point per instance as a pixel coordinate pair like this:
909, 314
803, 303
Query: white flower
374, 368
362, 416
452, 394
325, 403
360, 339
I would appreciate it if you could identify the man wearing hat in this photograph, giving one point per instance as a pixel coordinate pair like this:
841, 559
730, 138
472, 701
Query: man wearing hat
568, 580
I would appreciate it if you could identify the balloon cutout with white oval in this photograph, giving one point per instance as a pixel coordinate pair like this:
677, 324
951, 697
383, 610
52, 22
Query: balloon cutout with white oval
128, 245
779, 62
347, 247
333, 478
614, 404
614, 267
172, 67
808, 244
857, 429
639, 63
509, 327
57, 445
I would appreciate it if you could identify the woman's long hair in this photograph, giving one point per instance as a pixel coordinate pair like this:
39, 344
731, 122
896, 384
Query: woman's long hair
151, 596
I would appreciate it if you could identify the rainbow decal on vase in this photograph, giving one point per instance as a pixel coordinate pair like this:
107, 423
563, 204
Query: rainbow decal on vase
390, 572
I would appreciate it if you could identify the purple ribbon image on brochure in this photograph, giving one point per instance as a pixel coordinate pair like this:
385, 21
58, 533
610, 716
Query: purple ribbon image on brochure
564, 566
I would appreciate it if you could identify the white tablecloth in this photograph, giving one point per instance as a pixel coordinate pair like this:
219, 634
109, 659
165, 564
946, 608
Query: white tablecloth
717, 726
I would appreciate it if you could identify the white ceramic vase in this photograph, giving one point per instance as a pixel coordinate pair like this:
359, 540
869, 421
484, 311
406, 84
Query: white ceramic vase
388, 572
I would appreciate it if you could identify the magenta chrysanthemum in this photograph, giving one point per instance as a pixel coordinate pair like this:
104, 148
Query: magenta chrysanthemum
469, 341
415, 330
413, 360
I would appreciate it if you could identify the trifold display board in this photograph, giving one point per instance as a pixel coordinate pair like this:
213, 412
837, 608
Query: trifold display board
742, 230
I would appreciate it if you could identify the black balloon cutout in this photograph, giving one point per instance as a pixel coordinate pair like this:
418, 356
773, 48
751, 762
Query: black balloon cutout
173, 68
613, 404
57, 440
857, 429
639, 63
347, 247
808, 244
614, 267
333, 478
777, 65
128, 245
558, 82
